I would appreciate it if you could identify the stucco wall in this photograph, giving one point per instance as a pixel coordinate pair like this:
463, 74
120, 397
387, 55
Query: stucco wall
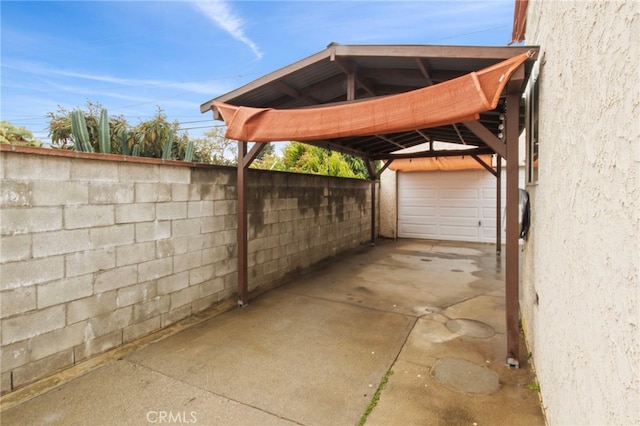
580, 286
96, 253
389, 204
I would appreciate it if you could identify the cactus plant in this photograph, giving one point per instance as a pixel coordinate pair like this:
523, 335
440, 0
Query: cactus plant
166, 151
136, 150
188, 155
104, 138
79, 131
124, 141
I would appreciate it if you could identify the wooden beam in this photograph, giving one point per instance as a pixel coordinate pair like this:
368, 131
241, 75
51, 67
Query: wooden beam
242, 243
372, 177
498, 205
244, 161
424, 70
391, 141
485, 165
512, 295
435, 153
487, 137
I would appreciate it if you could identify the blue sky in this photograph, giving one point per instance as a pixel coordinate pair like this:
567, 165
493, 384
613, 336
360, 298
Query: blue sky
135, 56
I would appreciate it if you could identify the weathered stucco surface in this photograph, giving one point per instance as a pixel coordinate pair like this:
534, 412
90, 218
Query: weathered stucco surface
388, 204
580, 295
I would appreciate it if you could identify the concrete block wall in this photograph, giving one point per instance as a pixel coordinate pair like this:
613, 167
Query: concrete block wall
297, 220
95, 254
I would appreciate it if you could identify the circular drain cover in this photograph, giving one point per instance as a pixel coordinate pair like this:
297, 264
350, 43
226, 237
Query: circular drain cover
464, 376
470, 328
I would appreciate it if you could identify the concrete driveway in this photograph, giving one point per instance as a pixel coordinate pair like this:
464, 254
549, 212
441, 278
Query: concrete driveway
421, 320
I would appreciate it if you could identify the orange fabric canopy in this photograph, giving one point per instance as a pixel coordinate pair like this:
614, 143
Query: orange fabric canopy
453, 101
439, 163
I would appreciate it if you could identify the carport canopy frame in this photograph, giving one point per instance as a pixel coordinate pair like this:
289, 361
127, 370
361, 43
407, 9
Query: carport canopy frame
342, 76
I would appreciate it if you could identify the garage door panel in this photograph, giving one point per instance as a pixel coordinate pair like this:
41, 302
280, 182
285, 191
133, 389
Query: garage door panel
458, 193
459, 212
454, 208
417, 212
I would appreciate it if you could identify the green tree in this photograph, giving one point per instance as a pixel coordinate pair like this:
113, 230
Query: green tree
302, 158
215, 148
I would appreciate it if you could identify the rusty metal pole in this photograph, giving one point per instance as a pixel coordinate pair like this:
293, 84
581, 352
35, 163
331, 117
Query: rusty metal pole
498, 205
243, 290
512, 250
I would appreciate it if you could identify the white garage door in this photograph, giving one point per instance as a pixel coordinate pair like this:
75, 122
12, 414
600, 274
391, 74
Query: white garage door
448, 205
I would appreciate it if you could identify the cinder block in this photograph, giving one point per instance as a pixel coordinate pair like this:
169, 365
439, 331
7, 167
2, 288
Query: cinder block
184, 227
26, 220
32, 324
88, 307
211, 287
154, 269
58, 340
115, 278
98, 345
36, 370
152, 192
135, 253
64, 290
202, 274
187, 261
132, 172
141, 329
224, 207
172, 247
150, 309
199, 208
137, 293
14, 248
31, 272
175, 315
27, 167
138, 212
5, 382
86, 216
14, 355
180, 192
86, 170
17, 301
111, 193
204, 303
171, 174
195, 193
171, 210
109, 236
15, 194
184, 296
201, 242
59, 193
87, 262
173, 283
225, 267
212, 224
152, 231
105, 324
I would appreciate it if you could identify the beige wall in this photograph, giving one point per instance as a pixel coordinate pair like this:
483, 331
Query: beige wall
96, 253
580, 286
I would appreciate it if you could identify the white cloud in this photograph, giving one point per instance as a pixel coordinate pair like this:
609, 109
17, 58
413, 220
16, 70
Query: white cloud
223, 16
